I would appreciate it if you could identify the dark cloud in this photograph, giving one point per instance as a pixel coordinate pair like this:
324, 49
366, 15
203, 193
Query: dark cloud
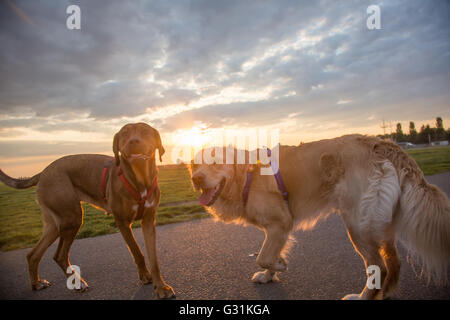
17, 149
403, 66
131, 57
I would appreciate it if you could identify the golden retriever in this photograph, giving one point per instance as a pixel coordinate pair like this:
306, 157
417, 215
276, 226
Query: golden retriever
377, 189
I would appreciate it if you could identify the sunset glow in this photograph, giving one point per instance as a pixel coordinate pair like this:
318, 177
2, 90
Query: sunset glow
315, 77
194, 137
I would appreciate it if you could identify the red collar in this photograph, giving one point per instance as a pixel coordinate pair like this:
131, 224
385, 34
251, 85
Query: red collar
131, 190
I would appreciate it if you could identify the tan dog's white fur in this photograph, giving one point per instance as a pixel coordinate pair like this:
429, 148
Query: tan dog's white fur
377, 189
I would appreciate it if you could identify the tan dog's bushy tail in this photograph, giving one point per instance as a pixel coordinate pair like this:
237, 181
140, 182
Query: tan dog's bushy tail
424, 228
19, 183
423, 220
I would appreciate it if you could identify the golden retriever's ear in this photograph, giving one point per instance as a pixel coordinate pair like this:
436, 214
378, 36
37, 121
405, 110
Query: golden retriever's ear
160, 147
331, 168
116, 148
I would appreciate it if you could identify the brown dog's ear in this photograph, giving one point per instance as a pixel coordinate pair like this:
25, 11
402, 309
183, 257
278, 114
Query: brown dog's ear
161, 152
159, 146
116, 148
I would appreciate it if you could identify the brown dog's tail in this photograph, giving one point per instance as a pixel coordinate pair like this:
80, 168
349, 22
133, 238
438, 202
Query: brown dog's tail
22, 183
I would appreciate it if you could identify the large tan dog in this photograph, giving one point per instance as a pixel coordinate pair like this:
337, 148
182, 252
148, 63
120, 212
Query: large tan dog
72, 179
377, 189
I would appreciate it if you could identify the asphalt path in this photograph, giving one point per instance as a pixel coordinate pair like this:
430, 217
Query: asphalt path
205, 259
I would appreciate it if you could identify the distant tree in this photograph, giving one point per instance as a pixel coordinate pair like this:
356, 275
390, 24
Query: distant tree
439, 123
421, 135
399, 133
412, 132
440, 133
425, 134
412, 127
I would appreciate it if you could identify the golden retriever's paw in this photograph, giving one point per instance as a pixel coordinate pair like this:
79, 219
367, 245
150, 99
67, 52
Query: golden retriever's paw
281, 265
40, 285
265, 277
145, 277
353, 296
164, 292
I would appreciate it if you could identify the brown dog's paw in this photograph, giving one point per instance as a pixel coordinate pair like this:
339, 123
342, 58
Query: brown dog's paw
40, 285
353, 296
145, 277
164, 292
83, 286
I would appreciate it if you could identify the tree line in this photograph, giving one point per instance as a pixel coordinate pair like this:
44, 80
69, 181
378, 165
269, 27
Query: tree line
426, 133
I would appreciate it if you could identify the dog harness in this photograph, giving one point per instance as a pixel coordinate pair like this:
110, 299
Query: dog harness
276, 174
131, 190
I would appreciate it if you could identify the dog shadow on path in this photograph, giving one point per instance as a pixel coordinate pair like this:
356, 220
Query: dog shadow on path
271, 290
145, 292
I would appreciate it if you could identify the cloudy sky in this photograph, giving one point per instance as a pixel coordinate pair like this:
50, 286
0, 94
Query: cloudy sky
311, 69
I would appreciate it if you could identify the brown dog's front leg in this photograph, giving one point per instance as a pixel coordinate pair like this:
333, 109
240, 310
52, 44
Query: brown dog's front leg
133, 247
162, 290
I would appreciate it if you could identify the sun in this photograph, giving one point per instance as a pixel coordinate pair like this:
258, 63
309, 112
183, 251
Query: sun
194, 137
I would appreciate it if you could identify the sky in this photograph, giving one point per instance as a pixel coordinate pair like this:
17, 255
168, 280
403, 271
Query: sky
310, 69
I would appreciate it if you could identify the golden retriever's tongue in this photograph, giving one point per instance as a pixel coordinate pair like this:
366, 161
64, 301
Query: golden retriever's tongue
206, 196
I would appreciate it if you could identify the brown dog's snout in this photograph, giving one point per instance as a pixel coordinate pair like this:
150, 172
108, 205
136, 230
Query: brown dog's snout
198, 179
134, 141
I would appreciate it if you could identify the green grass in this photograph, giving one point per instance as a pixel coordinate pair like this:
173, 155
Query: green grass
21, 227
432, 160
175, 184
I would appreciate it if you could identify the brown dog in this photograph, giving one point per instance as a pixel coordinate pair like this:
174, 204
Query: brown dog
96, 179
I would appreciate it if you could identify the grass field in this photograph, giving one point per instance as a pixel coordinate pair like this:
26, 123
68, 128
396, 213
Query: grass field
21, 227
432, 160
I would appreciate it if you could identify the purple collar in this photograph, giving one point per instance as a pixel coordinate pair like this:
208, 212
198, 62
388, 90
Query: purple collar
278, 179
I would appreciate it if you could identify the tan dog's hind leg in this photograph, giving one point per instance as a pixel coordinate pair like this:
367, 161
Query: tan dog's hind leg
369, 250
162, 290
270, 256
392, 261
369, 225
49, 235
133, 247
